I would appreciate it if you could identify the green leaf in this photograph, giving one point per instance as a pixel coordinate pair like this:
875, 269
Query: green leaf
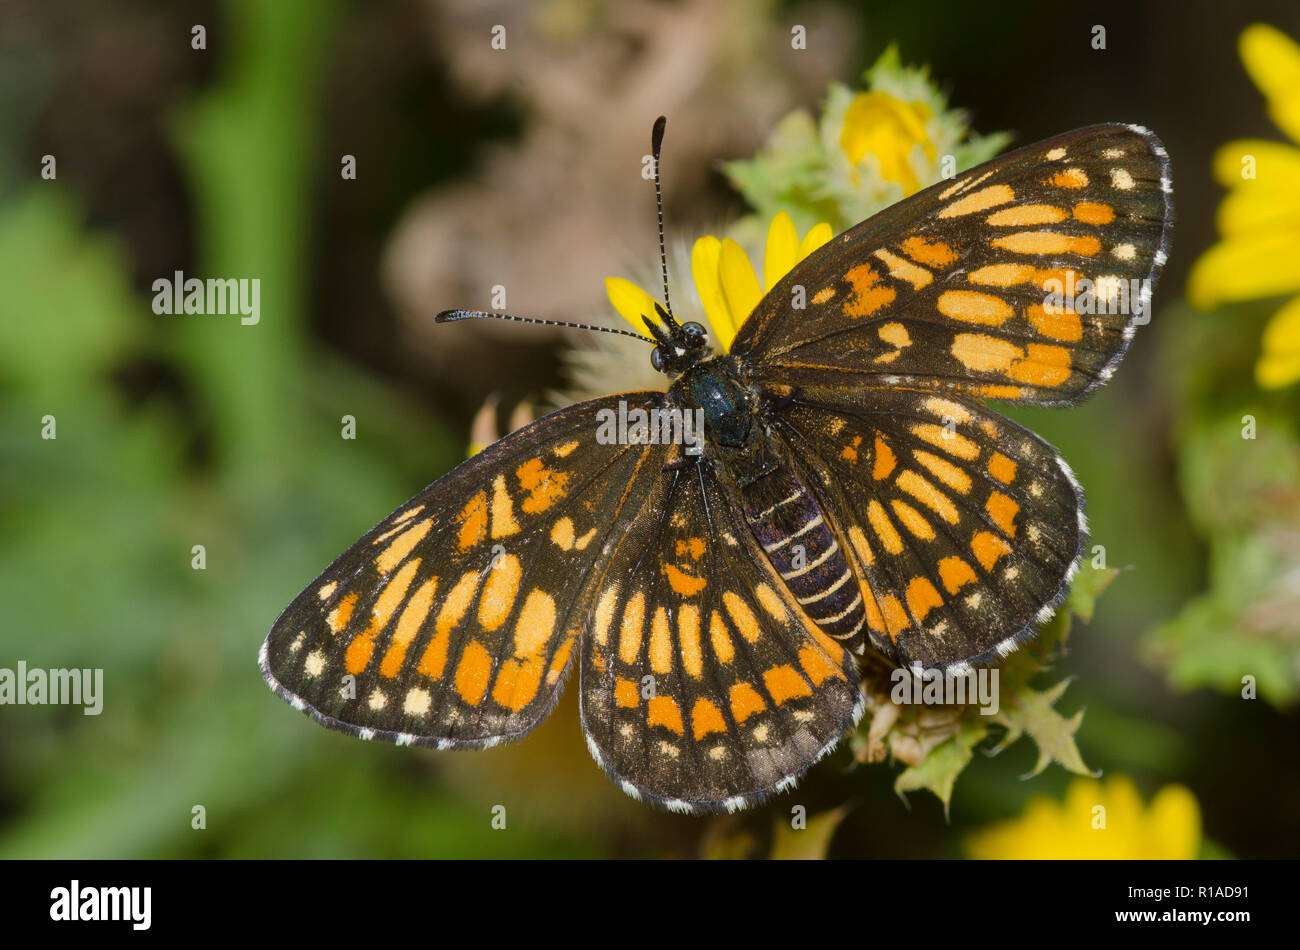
1033, 713
938, 773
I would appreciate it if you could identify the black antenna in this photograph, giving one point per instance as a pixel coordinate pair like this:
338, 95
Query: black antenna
452, 316
656, 145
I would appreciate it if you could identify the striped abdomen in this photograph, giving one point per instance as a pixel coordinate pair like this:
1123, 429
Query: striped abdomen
787, 522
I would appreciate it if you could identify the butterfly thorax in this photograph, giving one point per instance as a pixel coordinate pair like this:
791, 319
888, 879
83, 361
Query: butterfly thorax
735, 435
784, 515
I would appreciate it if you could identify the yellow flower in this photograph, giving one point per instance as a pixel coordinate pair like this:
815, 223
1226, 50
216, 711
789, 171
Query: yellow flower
1259, 219
878, 124
726, 281
1096, 820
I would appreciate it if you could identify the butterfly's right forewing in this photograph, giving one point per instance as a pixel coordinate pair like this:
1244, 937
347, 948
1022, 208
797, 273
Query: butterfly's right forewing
453, 621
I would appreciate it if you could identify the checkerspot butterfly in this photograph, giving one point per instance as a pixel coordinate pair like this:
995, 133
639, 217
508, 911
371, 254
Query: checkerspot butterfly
853, 492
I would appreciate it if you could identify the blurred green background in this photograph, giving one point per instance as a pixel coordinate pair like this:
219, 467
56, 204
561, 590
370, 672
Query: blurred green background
521, 167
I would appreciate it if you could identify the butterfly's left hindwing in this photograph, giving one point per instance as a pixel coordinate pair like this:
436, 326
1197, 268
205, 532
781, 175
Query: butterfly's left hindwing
704, 686
964, 527
452, 622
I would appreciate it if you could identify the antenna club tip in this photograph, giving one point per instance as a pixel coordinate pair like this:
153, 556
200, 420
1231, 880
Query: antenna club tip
657, 134
447, 316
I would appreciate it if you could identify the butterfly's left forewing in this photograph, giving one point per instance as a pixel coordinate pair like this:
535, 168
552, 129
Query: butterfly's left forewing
1022, 280
453, 621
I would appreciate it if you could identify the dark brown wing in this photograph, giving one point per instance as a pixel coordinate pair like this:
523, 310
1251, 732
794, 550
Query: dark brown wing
949, 289
964, 527
704, 687
452, 622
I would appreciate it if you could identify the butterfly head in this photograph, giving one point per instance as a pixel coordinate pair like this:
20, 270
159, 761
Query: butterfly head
678, 346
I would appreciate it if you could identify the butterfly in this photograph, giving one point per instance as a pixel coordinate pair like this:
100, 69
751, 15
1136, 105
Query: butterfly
852, 492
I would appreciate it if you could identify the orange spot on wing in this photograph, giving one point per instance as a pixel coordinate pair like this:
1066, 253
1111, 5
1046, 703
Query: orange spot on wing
884, 528
987, 548
686, 585
951, 442
971, 306
817, 665
922, 598
1089, 212
944, 470
1064, 325
1025, 215
745, 701
625, 693
693, 548
472, 673
408, 625
912, 520
923, 491
517, 682
934, 254
723, 648
896, 620
544, 486
784, 682
1002, 468
903, 269
663, 711
1003, 275
706, 718
982, 353
1042, 366
434, 660
661, 644
955, 573
1069, 178
981, 200
869, 292
885, 460
741, 616
1002, 509
688, 630
850, 452
562, 534
338, 617
401, 546
1047, 243
473, 520
999, 392
359, 651
499, 592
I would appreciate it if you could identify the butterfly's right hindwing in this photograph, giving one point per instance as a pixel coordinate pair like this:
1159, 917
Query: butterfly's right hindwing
453, 621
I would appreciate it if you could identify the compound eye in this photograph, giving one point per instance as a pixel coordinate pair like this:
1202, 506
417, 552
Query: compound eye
694, 333
657, 359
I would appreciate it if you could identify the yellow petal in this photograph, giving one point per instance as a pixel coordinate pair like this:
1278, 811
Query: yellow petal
818, 235
1279, 364
1246, 267
1173, 826
704, 268
631, 302
1276, 163
739, 282
1273, 60
782, 246
886, 128
1282, 335
1257, 209
1275, 372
